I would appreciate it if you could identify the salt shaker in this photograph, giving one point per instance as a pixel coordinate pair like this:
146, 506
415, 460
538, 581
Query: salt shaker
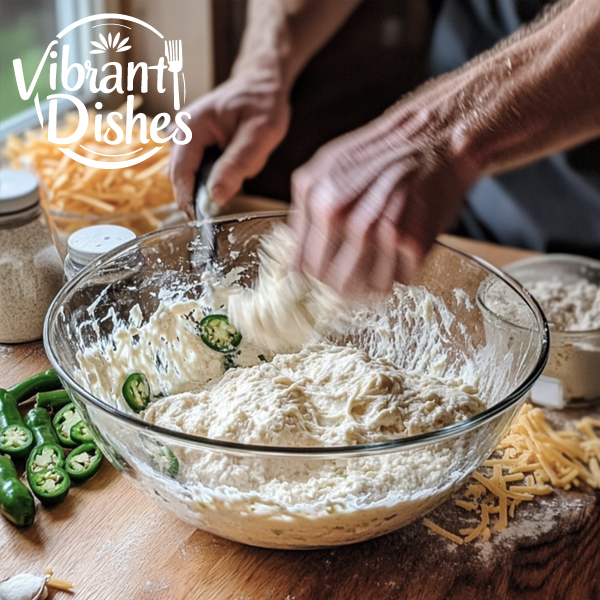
89, 243
30, 268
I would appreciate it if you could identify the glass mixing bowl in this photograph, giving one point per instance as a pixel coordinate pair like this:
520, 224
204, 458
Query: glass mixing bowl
273, 496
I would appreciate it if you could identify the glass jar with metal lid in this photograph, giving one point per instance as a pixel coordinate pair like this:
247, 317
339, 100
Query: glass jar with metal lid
30, 268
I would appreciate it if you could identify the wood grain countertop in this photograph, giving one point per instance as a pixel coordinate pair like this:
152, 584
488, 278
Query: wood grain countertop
113, 543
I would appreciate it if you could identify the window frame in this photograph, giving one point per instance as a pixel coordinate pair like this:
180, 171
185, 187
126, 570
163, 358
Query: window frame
67, 12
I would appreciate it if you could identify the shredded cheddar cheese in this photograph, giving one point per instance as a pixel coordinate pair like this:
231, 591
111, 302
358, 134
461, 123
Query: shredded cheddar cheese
531, 460
471, 506
59, 584
55, 582
439, 530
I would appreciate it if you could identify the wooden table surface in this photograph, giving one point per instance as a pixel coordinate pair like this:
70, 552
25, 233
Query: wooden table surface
113, 543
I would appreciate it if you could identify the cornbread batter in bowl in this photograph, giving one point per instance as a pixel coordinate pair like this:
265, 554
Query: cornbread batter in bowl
351, 433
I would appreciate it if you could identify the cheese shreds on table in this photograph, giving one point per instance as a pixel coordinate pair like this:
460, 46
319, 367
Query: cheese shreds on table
59, 584
442, 532
531, 460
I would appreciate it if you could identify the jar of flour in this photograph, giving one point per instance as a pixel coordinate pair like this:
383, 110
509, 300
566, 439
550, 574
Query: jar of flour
30, 268
567, 287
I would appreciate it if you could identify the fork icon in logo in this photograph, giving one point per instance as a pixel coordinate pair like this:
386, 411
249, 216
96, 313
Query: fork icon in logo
174, 54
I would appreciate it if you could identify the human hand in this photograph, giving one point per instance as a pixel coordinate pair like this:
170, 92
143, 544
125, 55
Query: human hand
247, 116
369, 205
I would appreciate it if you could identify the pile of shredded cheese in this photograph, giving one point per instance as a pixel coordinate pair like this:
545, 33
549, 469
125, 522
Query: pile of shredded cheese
532, 460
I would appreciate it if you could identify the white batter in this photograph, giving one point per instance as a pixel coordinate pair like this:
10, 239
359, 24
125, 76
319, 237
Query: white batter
284, 309
324, 395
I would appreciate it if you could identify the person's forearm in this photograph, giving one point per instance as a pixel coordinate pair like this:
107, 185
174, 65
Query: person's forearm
369, 205
535, 95
248, 115
282, 35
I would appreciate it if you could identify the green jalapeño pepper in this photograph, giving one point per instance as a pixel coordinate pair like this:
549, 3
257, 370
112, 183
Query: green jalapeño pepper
161, 457
83, 462
9, 409
42, 382
55, 399
38, 420
136, 391
219, 334
16, 501
15, 438
64, 420
47, 453
80, 433
50, 486
44, 457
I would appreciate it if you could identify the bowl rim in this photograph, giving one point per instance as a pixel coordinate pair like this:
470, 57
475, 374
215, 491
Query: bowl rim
544, 259
423, 439
553, 257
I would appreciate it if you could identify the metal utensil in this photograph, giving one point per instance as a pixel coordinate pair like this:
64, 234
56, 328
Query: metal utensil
205, 207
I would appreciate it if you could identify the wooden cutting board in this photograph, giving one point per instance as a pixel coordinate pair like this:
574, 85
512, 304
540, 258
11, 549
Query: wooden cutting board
114, 544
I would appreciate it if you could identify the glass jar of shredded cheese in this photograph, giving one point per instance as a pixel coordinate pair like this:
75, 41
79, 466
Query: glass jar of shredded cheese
30, 268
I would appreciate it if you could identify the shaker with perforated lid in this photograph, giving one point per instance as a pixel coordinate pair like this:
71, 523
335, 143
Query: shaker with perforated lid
89, 243
30, 268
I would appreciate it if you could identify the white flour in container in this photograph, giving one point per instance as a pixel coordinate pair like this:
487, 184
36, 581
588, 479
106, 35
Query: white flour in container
568, 306
572, 310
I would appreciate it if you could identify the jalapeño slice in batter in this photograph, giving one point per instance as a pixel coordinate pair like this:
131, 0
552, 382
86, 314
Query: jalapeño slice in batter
219, 334
136, 391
